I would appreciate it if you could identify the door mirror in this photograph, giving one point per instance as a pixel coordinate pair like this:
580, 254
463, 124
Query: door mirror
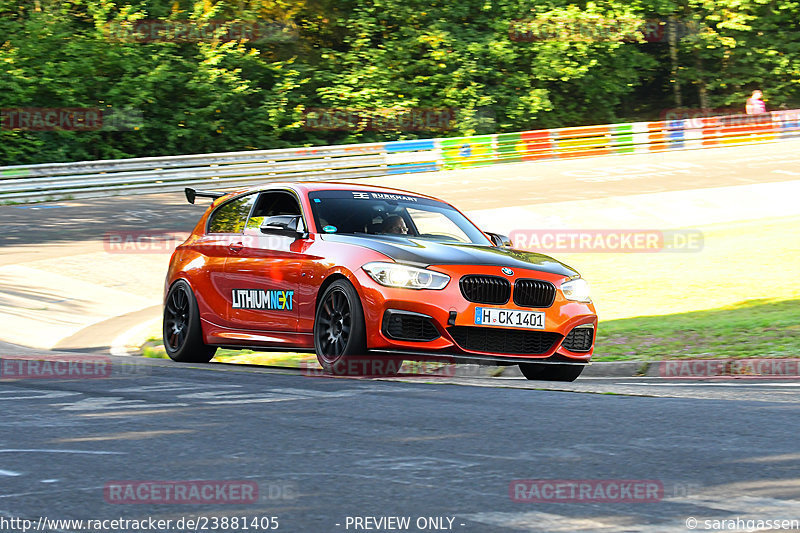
287, 225
500, 241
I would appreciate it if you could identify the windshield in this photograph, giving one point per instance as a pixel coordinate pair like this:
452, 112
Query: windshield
374, 213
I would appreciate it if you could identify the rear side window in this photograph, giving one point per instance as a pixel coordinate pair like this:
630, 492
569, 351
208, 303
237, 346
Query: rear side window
232, 216
272, 204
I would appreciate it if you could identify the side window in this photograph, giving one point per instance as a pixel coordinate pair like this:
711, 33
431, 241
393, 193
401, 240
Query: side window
271, 204
231, 217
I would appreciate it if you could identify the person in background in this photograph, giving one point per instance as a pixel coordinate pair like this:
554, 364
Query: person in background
755, 105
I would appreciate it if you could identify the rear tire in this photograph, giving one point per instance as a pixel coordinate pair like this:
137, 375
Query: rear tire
183, 335
340, 335
551, 372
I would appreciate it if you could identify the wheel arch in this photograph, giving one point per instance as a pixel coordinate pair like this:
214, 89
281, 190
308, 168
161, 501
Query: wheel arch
335, 272
328, 282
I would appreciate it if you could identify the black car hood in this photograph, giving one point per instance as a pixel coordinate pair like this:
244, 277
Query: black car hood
422, 252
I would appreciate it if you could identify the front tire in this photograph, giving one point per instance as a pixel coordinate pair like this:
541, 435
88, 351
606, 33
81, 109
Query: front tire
550, 372
183, 335
340, 335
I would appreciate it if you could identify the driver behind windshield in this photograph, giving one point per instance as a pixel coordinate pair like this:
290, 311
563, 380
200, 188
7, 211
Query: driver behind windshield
394, 224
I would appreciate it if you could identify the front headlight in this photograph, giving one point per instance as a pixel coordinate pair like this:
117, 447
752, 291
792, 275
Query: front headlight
576, 290
406, 277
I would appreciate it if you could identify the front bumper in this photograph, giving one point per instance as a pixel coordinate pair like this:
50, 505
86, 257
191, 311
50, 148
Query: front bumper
568, 334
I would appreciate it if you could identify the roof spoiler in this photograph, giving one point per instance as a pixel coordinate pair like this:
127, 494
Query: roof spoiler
191, 194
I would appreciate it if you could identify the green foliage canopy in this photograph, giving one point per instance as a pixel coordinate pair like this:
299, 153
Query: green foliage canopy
216, 94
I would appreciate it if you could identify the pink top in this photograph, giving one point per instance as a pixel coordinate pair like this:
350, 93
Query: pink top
755, 106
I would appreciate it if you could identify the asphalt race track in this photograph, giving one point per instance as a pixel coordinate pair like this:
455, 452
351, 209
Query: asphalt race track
342, 455
321, 450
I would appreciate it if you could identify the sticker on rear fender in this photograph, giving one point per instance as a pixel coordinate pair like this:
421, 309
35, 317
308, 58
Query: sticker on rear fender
489, 316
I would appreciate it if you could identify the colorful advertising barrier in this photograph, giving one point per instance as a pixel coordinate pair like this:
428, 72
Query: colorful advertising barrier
683, 130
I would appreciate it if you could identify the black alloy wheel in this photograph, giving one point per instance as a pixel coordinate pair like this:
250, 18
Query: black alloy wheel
183, 335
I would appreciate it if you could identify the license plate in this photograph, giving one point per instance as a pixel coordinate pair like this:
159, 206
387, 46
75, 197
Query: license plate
489, 316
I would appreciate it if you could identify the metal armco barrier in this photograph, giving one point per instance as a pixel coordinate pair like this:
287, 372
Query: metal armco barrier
58, 181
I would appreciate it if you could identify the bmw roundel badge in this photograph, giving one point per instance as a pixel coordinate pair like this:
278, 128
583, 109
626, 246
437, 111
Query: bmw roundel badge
507, 271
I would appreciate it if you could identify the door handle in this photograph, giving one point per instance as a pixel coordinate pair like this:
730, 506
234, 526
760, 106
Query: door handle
235, 247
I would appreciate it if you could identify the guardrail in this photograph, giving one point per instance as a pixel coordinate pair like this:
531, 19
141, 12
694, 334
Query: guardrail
58, 181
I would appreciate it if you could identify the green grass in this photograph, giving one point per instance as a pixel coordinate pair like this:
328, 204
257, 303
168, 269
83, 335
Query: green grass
755, 328
249, 357
154, 348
